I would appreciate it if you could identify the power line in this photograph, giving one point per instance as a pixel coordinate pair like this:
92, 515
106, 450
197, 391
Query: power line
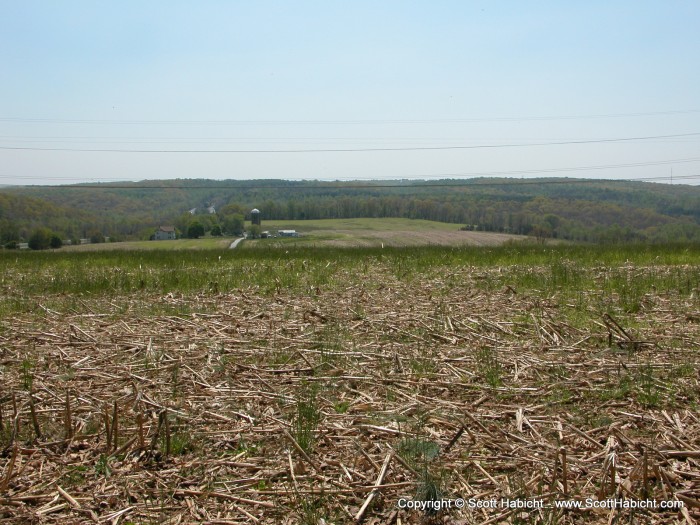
255, 140
575, 168
343, 122
357, 150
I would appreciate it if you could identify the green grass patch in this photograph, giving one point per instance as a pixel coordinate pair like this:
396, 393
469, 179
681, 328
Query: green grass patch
566, 271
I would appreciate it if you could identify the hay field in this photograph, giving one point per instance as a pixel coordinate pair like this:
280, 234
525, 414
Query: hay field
352, 233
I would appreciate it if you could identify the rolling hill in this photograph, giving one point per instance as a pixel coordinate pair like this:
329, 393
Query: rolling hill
573, 209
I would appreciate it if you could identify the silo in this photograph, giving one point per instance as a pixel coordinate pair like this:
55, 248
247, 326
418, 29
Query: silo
255, 216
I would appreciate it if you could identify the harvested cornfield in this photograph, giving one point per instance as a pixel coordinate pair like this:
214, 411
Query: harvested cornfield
365, 386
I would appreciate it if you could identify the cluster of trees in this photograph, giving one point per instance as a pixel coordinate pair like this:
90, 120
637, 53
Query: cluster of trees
32, 220
576, 209
228, 220
40, 239
43, 238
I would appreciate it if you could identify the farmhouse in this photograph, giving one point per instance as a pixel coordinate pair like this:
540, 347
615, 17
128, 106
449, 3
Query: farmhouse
164, 233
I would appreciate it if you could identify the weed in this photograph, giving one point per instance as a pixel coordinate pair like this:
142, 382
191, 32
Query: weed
261, 485
489, 366
622, 390
102, 467
75, 475
249, 448
27, 369
558, 372
307, 416
422, 366
341, 407
599, 420
181, 442
175, 380
560, 394
177, 439
430, 488
329, 341
416, 451
648, 393
682, 371
311, 511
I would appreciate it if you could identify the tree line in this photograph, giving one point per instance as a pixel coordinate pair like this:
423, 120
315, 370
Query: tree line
573, 209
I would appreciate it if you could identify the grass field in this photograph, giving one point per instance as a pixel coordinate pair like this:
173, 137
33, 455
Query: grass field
377, 232
337, 233
205, 243
304, 384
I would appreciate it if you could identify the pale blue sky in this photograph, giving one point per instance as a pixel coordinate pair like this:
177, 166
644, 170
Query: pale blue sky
227, 75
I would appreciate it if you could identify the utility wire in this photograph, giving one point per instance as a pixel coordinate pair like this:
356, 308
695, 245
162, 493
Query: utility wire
336, 122
474, 173
355, 150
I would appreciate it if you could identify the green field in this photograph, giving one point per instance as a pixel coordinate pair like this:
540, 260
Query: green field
365, 233
272, 385
365, 224
205, 243
338, 233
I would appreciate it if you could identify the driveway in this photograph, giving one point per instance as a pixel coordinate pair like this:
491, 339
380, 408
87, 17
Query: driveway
235, 243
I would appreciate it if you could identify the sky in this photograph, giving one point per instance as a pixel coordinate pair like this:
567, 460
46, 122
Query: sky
330, 90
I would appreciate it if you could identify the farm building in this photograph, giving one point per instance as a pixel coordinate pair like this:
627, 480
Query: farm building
288, 233
164, 233
255, 216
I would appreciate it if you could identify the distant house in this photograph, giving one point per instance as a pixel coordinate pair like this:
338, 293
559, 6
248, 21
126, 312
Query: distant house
23, 245
288, 233
164, 233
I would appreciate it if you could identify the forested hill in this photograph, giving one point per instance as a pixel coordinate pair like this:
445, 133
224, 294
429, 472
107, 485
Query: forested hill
576, 209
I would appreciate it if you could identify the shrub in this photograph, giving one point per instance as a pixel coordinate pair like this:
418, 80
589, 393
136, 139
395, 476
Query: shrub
55, 242
195, 230
40, 239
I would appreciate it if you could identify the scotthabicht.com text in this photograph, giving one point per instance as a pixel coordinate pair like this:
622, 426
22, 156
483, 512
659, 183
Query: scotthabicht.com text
504, 503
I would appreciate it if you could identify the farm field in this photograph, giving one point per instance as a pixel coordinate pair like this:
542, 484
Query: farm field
336, 233
327, 385
205, 243
344, 233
